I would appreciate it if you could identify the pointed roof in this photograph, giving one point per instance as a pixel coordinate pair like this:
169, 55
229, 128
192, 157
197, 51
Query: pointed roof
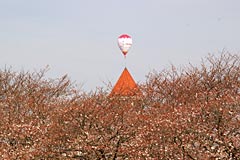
125, 86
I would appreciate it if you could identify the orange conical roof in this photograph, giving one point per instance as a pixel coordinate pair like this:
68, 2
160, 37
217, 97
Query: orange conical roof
125, 86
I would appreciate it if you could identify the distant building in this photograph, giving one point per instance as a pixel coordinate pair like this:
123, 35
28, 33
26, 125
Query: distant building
125, 86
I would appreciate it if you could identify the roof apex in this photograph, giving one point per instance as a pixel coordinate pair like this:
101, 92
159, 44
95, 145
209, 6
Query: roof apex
125, 86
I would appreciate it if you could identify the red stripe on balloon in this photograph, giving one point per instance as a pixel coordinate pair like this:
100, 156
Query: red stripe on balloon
124, 36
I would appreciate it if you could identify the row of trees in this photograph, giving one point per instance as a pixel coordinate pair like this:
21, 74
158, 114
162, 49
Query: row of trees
190, 113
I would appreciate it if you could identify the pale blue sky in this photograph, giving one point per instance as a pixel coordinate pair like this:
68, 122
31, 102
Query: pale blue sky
79, 38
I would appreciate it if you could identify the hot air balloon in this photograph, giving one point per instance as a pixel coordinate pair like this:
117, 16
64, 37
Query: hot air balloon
124, 43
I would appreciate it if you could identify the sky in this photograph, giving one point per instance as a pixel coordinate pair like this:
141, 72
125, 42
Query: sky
79, 37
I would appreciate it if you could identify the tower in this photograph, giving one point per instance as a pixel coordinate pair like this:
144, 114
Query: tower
125, 86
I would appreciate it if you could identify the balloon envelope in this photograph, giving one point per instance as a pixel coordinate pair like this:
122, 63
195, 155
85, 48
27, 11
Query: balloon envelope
124, 43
